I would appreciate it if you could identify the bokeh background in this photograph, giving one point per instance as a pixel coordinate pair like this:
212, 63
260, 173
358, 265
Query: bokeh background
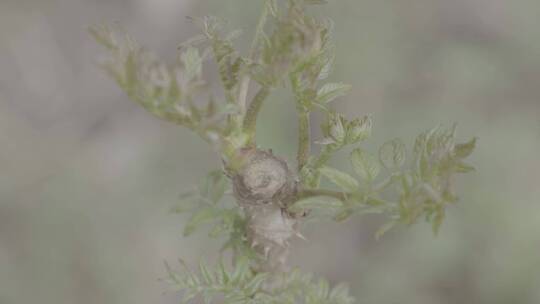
87, 178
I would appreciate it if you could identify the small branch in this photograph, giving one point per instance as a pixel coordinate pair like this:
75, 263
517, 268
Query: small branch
320, 161
250, 119
244, 81
304, 143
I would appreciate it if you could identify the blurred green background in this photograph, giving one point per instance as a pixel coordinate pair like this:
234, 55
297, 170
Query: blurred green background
87, 177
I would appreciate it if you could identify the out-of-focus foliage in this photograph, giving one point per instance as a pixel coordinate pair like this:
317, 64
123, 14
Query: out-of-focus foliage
244, 286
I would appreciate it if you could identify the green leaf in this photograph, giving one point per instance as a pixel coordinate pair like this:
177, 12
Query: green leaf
255, 284
335, 127
344, 215
323, 203
359, 129
392, 154
462, 167
331, 91
192, 62
365, 165
205, 273
242, 269
464, 150
341, 179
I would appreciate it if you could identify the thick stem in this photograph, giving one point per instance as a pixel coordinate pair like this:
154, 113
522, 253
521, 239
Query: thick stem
264, 187
269, 231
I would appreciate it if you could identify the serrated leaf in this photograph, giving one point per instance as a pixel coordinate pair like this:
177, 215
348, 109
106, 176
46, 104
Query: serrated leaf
392, 154
365, 165
335, 127
327, 67
341, 179
331, 91
465, 149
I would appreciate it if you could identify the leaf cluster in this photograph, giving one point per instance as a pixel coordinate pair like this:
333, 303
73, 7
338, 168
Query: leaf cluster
243, 285
421, 187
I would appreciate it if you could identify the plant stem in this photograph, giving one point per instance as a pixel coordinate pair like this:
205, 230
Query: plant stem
304, 133
320, 161
244, 81
250, 118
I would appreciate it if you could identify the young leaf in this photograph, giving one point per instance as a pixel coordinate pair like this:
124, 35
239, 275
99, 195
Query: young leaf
331, 91
341, 179
335, 127
359, 129
365, 165
192, 61
392, 154
464, 150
